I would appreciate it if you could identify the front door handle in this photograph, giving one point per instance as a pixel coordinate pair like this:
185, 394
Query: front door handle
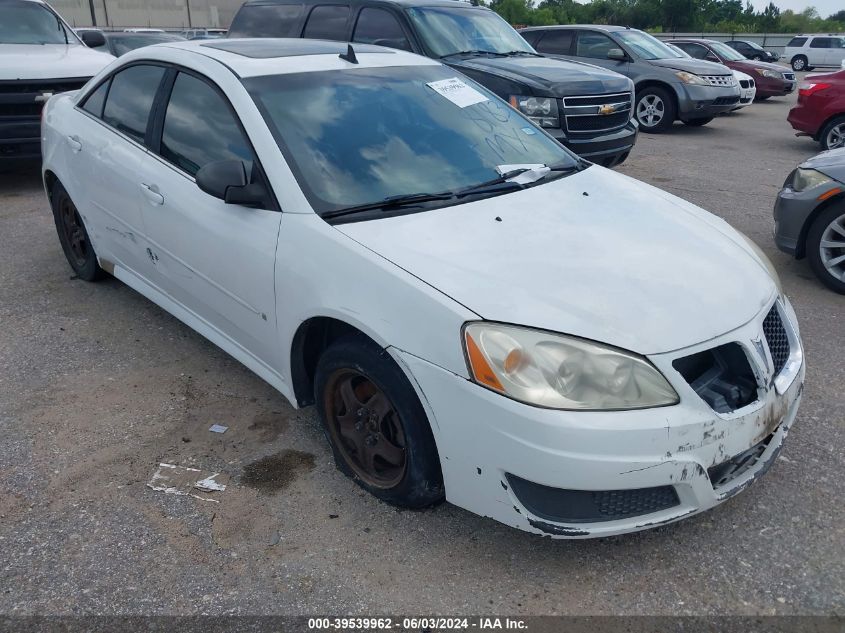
74, 143
152, 194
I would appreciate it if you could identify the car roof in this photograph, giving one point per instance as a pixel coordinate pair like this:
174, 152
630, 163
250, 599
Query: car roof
695, 40
252, 57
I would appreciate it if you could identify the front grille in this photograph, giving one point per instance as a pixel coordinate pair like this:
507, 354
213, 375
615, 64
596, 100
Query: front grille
776, 338
26, 98
596, 113
745, 83
590, 506
726, 100
20, 109
721, 376
727, 471
720, 80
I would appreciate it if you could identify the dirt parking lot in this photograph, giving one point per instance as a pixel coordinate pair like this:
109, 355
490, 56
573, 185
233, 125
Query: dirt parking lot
98, 385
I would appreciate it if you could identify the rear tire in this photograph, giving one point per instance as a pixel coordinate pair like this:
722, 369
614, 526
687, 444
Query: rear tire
73, 236
655, 109
698, 122
376, 425
799, 63
828, 229
832, 135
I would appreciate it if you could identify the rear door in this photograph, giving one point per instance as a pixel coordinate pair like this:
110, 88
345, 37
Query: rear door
108, 150
217, 259
818, 52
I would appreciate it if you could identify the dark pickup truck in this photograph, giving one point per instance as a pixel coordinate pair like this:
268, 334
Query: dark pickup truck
587, 108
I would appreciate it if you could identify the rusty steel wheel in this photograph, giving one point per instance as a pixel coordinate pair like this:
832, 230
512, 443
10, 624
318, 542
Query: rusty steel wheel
73, 236
377, 427
366, 428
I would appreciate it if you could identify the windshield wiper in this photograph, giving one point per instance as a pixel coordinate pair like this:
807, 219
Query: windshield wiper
391, 202
515, 53
505, 182
474, 52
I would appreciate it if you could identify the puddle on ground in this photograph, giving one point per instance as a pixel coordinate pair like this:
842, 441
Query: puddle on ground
276, 472
269, 425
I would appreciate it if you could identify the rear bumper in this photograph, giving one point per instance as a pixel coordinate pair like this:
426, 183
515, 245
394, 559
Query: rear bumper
608, 149
805, 119
20, 138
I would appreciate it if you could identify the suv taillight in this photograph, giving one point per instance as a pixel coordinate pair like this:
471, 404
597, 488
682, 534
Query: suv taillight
807, 88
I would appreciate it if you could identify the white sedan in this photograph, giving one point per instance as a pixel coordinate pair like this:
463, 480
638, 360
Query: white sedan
478, 314
747, 89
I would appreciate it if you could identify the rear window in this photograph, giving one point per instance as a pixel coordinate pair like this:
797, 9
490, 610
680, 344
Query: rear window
327, 22
278, 20
797, 42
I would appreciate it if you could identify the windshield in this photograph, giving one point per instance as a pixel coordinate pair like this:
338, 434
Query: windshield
646, 46
356, 137
125, 43
31, 23
726, 52
447, 31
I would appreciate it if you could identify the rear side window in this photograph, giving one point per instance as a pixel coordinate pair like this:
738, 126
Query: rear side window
327, 22
200, 128
278, 20
130, 99
557, 42
594, 45
377, 26
693, 50
797, 42
95, 101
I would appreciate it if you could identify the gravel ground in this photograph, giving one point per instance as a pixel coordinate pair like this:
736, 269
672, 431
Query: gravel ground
98, 385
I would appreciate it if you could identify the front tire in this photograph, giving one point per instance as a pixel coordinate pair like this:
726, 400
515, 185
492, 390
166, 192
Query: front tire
376, 425
825, 247
698, 122
799, 63
655, 109
73, 236
833, 134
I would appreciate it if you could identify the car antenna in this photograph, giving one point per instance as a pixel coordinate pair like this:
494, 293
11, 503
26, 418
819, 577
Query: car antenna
349, 56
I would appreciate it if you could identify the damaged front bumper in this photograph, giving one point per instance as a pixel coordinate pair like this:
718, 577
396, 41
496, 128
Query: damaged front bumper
570, 474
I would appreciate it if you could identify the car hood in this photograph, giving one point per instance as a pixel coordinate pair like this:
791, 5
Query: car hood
551, 77
596, 254
830, 163
695, 66
50, 61
748, 65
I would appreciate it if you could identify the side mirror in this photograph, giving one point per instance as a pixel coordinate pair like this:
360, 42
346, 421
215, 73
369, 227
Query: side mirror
618, 54
227, 180
93, 39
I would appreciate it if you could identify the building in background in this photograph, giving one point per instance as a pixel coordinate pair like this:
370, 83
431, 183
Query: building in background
168, 14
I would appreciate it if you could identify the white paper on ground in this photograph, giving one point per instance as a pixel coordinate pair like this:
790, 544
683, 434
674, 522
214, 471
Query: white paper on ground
186, 481
456, 91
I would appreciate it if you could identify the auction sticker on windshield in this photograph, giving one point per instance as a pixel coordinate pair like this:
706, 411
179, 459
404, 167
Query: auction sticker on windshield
457, 92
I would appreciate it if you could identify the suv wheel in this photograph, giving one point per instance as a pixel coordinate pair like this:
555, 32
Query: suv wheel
799, 63
377, 428
826, 247
655, 109
833, 134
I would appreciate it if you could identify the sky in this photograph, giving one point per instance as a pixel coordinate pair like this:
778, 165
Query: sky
824, 7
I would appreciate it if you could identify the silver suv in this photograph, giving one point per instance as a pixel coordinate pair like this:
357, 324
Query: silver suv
806, 52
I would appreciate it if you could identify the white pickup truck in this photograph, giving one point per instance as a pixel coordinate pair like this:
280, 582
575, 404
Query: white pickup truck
40, 55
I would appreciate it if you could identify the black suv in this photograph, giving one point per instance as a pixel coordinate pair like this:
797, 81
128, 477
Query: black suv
586, 108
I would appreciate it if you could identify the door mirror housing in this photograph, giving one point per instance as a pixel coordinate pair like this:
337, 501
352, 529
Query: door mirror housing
618, 54
227, 180
93, 39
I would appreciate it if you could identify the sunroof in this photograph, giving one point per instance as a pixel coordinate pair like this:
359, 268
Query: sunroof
266, 48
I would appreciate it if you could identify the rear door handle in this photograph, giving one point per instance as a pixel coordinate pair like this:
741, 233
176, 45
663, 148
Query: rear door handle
74, 143
152, 194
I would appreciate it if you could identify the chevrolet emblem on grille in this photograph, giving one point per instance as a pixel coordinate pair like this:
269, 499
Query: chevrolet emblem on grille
608, 108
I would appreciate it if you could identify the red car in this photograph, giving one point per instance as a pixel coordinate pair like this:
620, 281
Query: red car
772, 80
820, 111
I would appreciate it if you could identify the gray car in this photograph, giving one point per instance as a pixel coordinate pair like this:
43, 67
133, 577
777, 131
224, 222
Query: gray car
669, 86
810, 216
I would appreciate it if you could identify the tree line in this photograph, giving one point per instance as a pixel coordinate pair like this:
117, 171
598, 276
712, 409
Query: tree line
722, 16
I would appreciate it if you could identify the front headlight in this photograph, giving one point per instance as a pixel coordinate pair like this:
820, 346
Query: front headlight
541, 110
807, 179
561, 372
690, 78
772, 74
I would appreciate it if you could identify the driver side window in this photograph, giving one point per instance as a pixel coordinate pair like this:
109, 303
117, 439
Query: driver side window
378, 26
594, 45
